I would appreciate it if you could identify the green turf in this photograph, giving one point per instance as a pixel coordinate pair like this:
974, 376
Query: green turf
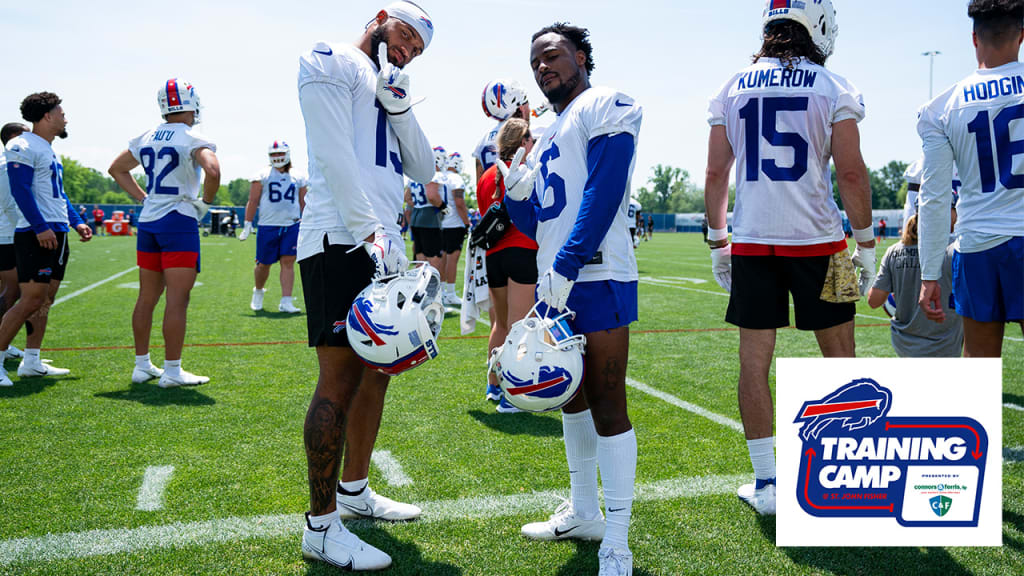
74, 449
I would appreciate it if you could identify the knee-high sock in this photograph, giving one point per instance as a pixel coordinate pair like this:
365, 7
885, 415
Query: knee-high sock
617, 457
581, 454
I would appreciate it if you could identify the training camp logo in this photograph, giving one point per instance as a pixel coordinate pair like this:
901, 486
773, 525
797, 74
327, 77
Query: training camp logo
859, 462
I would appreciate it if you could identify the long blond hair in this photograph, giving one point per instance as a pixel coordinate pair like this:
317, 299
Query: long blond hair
510, 137
909, 235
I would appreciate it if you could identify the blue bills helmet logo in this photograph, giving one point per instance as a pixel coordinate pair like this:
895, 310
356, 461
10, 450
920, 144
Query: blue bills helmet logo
854, 406
360, 317
552, 381
339, 326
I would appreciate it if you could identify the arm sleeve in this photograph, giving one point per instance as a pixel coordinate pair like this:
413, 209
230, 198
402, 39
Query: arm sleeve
935, 196
417, 154
608, 161
73, 216
327, 111
21, 176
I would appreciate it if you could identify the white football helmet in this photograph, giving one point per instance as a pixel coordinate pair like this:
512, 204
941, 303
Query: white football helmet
178, 96
455, 161
440, 158
540, 365
394, 322
278, 147
817, 16
502, 97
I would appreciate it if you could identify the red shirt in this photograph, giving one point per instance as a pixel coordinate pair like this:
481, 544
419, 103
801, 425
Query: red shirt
97, 215
484, 198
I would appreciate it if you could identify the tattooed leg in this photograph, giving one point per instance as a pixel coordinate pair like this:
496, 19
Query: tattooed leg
605, 381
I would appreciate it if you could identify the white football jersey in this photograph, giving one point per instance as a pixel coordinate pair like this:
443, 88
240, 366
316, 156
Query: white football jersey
980, 120
167, 154
598, 111
279, 200
634, 208
779, 123
454, 182
487, 149
47, 177
9, 213
376, 178
419, 194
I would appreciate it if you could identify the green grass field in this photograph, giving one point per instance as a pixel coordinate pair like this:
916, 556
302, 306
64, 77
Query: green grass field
74, 450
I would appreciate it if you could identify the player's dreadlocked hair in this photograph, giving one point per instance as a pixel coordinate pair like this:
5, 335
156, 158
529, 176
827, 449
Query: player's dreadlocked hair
11, 130
996, 21
580, 38
789, 41
37, 105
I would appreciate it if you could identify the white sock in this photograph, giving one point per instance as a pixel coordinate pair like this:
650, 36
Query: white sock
286, 299
32, 356
172, 368
581, 455
355, 487
143, 361
617, 457
325, 520
762, 457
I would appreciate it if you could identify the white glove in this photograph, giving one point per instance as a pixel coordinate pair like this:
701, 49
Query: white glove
553, 289
864, 258
721, 266
392, 84
519, 179
202, 207
445, 209
246, 230
388, 257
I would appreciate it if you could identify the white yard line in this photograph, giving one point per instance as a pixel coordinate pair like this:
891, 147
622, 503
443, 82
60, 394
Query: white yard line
133, 540
390, 468
92, 286
151, 494
717, 418
1013, 407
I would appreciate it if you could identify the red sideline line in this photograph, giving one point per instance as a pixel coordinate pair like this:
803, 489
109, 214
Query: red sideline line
481, 337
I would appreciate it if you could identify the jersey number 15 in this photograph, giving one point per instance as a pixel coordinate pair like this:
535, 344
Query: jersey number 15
762, 123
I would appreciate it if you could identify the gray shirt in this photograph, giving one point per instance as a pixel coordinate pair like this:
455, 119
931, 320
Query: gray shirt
913, 334
427, 217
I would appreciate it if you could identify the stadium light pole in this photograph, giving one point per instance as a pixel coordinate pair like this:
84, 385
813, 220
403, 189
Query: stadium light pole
931, 69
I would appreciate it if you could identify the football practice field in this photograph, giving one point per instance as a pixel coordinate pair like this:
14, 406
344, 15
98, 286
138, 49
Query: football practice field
100, 476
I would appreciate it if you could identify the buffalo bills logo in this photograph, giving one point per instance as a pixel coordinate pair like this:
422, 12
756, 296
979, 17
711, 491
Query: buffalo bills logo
45, 272
427, 23
359, 317
552, 382
857, 405
398, 93
339, 326
499, 94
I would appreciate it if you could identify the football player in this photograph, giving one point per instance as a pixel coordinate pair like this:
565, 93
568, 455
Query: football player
631, 216
425, 216
280, 196
36, 177
173, 155
580, 222
780, 119
502, 99
975, 125
9, 290
453, 228
362, 135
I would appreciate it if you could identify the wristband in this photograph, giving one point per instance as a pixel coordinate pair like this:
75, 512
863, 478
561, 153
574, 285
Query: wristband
864, 234
716, 234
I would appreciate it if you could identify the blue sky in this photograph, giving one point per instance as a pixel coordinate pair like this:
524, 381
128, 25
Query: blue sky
107, 58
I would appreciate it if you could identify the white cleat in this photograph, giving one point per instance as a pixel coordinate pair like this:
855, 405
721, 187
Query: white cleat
140, 375
14, 353
369, 504
182, 379
760, 499
4, 379
615, 562
33, 370
451, 300
256, 304
287, 307
564, 523
335, 545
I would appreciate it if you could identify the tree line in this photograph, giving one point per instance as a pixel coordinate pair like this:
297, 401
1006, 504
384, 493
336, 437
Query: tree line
670, 190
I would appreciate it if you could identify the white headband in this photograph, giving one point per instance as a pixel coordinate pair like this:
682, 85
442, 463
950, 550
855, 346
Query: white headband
414, 16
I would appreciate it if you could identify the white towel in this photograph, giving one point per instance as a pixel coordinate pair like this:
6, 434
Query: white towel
475, 295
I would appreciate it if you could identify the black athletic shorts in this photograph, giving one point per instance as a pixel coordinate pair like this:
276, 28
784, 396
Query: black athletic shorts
516, 264
452, 239
331, 280
427, 241
38, 265
8, 257
760, 293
